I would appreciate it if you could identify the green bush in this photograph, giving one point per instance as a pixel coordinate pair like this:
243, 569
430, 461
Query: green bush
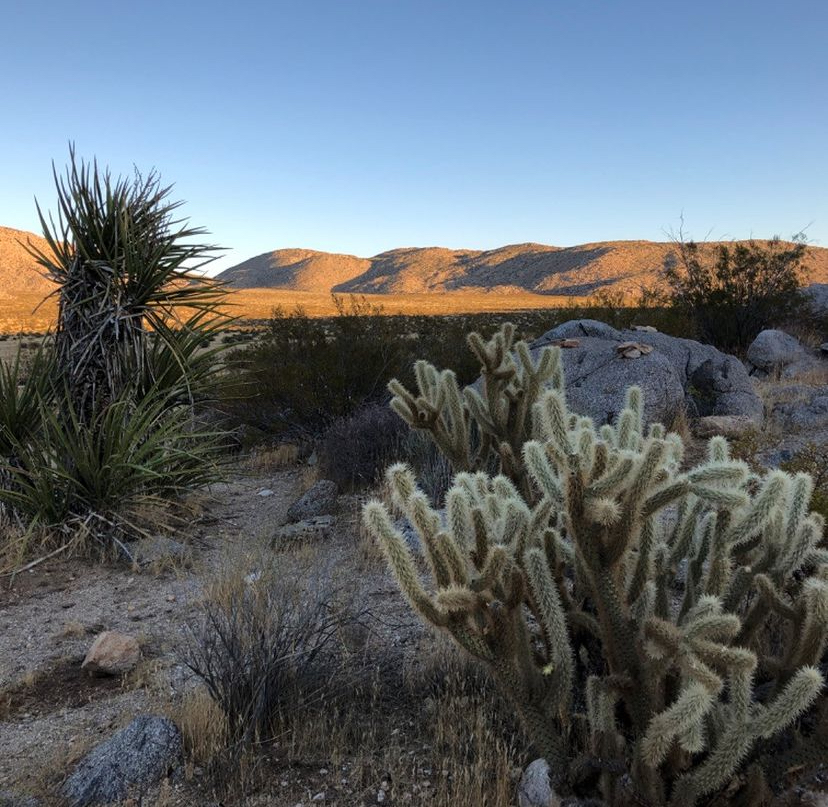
733, 291
301, 374
653, 626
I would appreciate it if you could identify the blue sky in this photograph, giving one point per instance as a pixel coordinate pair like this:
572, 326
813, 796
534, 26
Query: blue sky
361, 125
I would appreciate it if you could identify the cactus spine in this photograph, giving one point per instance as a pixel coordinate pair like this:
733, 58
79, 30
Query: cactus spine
644, 619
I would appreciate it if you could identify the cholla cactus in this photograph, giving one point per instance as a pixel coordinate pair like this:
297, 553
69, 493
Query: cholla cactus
650, 624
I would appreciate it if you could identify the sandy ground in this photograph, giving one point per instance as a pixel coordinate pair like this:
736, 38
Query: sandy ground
49, 616
53, 713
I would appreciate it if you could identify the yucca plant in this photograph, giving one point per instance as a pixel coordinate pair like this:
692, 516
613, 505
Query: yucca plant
104, 424
138, 453
25, 387
125, 268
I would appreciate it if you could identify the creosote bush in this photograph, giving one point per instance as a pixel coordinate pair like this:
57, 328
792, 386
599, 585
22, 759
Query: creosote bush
655, 627
733, 291
300, 375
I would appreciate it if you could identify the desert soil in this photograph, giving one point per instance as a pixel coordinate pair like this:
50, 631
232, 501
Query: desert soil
51, 712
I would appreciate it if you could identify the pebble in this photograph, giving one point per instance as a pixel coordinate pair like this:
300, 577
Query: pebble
265, 492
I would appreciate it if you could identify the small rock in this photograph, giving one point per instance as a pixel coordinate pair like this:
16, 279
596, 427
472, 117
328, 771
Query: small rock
112, 653
535, 789
128, 763
644, 328
319, 500
311, 528
264, 492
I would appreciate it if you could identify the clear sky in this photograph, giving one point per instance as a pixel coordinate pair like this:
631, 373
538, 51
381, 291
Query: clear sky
361, 125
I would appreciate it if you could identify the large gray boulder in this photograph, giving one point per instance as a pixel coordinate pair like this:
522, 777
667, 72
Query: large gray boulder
677, 373
818, 297
128, 763
318, 500
776, 353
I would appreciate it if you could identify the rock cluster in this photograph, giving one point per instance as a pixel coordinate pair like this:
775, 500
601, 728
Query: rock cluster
673, 373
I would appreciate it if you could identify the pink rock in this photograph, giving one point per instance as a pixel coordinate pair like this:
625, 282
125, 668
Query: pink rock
112, 653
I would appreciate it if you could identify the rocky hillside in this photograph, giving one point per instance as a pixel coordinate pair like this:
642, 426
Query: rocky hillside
19, 272
626, 266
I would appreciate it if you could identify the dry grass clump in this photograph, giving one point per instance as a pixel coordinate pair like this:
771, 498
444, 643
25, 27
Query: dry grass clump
302, 690
267, 459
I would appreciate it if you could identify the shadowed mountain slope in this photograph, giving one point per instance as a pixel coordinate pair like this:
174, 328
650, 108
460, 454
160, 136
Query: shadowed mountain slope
619, 266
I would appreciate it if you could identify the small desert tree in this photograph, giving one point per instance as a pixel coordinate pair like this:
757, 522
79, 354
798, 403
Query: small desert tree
733, 291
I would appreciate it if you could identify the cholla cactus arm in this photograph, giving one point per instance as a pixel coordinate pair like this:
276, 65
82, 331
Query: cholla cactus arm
686, 713
738, 738
553, 622
402, 564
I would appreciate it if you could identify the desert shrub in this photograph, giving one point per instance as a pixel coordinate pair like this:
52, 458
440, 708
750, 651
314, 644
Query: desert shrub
267, 645
302, 374
653, 626
648, 307
357, 448
733, 291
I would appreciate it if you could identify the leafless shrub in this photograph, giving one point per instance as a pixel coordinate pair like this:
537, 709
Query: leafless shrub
357, 448
268, 641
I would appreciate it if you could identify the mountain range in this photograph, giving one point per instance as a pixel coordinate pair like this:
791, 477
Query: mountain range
19, 272
619, 266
